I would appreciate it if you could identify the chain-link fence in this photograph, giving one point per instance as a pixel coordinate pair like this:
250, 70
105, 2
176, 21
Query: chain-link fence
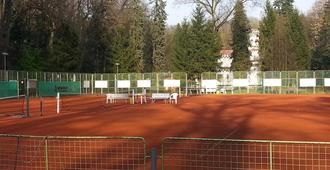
87, 81
203, 153
272, 82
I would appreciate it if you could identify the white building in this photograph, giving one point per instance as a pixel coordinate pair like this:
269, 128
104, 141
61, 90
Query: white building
226, 59
254, 78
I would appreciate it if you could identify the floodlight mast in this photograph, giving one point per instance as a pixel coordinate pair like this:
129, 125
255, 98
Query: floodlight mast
5, 54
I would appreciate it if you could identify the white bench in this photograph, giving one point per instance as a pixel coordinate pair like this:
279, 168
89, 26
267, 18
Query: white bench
113, 97
160, 96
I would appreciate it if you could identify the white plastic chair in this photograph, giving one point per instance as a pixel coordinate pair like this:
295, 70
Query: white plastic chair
174, 97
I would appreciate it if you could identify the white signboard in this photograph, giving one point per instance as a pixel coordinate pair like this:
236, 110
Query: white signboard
124, 84
171, 83
86, 84
209, 84
307, 82
327, 82
240, 82
272, 82
144, 83
101, 84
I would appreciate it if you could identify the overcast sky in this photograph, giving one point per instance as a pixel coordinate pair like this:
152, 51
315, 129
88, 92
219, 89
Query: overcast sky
177, 12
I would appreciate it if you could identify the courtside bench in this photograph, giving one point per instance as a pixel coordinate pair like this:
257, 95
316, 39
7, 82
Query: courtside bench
160, 96
113, 97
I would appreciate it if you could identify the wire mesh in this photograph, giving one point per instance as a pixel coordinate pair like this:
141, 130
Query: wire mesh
194, 153
33, 152
304, 156
214, 154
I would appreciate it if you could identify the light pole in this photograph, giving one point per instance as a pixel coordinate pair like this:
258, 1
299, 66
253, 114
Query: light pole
5, 54
117, 65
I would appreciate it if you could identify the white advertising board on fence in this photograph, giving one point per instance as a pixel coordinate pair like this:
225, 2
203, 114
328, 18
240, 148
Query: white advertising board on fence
327, 82
171, 83
144, 83
240, 82
307, 82
101, 84
124, 84
272, 82
209, 84
86, 84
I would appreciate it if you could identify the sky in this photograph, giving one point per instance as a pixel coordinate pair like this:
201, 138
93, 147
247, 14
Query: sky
177, 12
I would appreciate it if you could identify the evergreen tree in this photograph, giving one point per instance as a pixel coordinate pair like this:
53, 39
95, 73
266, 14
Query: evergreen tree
136, 40
159, 58
148, 65
298, 37
204, 45
321, 56
283, 6
120, 52
267, 29
65, 56
181, 45
97, 45
241, 30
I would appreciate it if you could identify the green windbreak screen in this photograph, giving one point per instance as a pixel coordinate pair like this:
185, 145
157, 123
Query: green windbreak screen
47, 88
8, 89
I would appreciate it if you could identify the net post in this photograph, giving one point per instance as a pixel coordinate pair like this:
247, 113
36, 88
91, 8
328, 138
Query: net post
153, 159
27, 98
58, 103
41, 106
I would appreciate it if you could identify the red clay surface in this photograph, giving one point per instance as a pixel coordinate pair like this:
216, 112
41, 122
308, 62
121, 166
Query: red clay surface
273, 117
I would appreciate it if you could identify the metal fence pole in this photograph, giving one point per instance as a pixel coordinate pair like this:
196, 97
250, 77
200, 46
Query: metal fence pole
297, 79
153, 159
46, 153
92, 84
186, 84
281, 82
315, 83
270, 156
157, 83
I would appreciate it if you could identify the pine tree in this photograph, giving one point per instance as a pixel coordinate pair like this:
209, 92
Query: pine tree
321, 56
241, 30
120, 52
159, 58
181, 45
136, 40
65, 55
148, 65
97, 45
298, 37
267, 29
283, 6
204, 45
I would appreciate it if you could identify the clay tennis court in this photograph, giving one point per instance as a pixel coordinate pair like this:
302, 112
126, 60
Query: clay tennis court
267, 117
276, 117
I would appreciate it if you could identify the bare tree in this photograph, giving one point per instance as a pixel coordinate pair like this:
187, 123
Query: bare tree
315, 17
219, 11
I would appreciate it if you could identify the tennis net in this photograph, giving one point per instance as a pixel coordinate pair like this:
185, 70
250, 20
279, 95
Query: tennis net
12, 106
